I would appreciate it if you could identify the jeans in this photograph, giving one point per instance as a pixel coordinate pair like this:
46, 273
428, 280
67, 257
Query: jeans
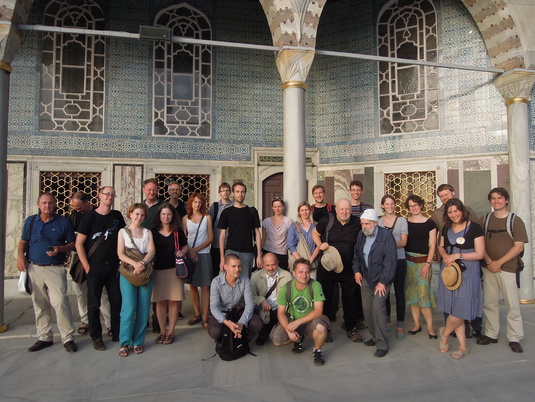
135, 312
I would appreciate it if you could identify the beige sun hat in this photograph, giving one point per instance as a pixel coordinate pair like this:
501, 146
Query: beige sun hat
332, 261
452, 276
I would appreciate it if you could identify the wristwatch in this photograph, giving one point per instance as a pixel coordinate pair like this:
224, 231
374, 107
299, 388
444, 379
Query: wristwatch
461, 256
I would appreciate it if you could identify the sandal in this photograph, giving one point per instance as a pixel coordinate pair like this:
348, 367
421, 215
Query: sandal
84, 329
205, 325
161, 339
443, 347
138, 349
110, 332
196, 319
459, 354
169, 339
123, 352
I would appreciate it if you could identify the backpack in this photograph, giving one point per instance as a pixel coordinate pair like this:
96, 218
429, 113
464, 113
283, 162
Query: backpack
227, 346
508, 225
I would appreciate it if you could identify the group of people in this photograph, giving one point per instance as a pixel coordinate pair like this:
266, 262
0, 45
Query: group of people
285, 277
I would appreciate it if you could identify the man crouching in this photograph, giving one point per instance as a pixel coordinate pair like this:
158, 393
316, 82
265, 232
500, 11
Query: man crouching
300, 313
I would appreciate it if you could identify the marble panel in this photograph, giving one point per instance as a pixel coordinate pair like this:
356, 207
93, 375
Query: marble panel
16, 175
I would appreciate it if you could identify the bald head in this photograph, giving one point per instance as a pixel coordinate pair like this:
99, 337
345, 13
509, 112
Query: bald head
343, 210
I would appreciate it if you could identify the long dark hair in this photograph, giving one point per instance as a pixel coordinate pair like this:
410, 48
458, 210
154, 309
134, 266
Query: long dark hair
455, 202
175, 222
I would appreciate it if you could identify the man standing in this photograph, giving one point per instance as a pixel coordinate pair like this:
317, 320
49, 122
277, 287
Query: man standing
150, 189
320, 208
175, 191
230, 289
342, 235
504, 243
266, 284
356, 189
238, 224
101, 262
446, 192
81, 205
215, 212
304, 305
374, 265
46, 238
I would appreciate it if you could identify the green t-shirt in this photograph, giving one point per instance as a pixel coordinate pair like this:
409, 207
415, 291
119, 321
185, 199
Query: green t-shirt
301, 301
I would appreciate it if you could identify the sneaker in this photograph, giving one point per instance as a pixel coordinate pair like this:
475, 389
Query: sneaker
354, 336
298, 346
98, 344
40, 345
70, 346
318, 358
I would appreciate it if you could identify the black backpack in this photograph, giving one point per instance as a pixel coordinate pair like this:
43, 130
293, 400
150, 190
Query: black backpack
227, 346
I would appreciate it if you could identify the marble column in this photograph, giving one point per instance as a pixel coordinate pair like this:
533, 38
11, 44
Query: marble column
515, 87
293, 66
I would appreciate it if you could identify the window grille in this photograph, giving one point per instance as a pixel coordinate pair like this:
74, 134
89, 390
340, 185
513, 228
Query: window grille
408, 94
189, 185
72, 69
401, 185
63, 184
182, 76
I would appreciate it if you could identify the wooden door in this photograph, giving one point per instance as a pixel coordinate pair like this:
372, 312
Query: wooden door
271, 187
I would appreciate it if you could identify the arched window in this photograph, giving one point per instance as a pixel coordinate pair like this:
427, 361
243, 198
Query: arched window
408, 94
72, 69
182, 76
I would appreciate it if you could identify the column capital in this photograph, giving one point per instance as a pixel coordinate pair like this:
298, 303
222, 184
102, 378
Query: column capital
294, 65
515, 85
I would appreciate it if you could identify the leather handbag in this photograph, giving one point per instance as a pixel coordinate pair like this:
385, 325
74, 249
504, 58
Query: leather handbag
127, 270
184, 267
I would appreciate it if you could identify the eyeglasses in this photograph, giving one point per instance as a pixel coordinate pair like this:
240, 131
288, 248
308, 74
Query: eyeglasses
276, 199
414, 205
109, 195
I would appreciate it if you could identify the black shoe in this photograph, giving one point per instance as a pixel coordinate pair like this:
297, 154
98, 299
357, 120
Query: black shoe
411, 332
98, 344
369, 342
318, 358
329, 338
354, 336
70, 346
485, 340
515, 347
298, 346
40, 345
180, 316
477, 334
431, 336
260, 341
380, 353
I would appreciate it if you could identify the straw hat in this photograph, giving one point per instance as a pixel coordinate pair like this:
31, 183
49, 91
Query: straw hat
452, 276
331, 260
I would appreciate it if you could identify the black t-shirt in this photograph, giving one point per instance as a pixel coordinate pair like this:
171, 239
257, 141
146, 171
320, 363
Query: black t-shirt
343, 237
94, 225
473, 231
318, 213
165, 248
418, 239
239, 223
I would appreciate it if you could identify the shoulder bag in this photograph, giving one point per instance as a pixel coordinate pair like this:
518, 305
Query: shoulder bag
127, 270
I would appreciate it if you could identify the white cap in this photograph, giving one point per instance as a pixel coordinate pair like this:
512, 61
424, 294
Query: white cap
370, 215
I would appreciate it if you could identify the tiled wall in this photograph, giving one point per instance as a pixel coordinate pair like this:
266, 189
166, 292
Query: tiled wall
341, 102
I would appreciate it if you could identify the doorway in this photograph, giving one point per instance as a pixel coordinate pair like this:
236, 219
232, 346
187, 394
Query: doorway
271, 187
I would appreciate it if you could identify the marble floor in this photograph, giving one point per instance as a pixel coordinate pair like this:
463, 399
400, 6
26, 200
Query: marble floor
413, 370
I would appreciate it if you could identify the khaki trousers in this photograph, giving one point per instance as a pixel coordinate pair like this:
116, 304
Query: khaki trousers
493, 282
49, 289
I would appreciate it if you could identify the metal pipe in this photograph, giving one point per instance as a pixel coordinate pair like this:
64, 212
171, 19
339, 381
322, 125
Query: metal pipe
178, 39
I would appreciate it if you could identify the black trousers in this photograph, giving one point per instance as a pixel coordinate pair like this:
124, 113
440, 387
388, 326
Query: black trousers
100, 276
399, 287
351, 298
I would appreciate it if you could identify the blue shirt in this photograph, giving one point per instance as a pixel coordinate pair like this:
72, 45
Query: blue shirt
223, 297
293, 238
58, 231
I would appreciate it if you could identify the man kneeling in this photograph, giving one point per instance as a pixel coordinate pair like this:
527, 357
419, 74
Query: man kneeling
302, 299
231, 290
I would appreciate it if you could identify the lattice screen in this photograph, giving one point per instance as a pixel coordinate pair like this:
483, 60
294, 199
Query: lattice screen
63, 184
189, 184
401, 185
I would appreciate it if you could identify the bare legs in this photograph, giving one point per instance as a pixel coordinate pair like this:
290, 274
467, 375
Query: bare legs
205, 299
427, 312
164, 309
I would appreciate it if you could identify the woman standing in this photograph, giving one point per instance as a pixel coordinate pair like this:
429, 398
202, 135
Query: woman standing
420, 251
399, 228
275, 232
168, 291
136, 299
302, 229
197, 225
461, 240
